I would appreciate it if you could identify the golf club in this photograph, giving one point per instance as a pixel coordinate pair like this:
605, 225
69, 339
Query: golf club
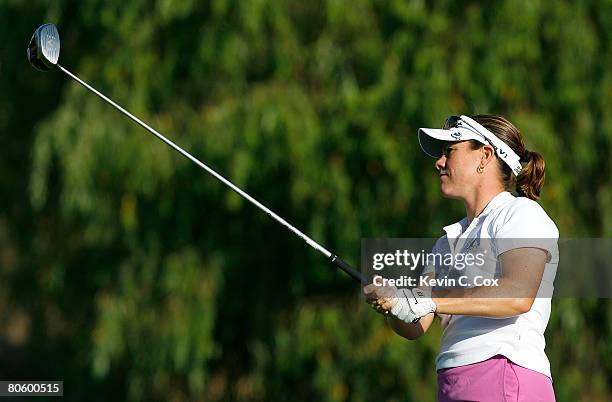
43, 53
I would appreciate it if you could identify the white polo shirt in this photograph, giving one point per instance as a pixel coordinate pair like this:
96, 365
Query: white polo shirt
471, 339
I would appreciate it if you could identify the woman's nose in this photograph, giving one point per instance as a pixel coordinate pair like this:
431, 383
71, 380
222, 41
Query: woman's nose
440, 163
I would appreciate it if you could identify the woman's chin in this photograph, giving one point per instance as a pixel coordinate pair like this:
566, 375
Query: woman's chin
447, 191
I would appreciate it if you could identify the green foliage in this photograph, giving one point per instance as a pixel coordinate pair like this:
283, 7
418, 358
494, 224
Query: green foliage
131, 275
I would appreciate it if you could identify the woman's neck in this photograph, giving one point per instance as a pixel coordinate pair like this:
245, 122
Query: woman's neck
478, 201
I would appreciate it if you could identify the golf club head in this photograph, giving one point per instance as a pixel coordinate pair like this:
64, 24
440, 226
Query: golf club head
44, 48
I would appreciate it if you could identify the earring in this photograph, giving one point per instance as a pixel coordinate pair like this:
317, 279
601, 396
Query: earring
480, 169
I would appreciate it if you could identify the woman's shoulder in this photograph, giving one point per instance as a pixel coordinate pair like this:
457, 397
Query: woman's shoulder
525, 208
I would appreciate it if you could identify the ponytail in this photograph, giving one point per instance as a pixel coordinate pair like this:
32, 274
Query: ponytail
531, 179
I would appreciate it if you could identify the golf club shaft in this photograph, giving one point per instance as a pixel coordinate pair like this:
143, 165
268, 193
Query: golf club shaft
329, 255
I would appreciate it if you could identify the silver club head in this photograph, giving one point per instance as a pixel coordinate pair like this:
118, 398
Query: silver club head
44, 47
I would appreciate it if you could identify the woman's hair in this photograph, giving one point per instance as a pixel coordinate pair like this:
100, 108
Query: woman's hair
531, 179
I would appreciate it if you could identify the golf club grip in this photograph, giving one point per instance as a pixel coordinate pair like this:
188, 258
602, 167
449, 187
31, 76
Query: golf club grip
353, 273
343, 265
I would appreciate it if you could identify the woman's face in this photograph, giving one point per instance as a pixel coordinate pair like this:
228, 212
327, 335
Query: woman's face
457, 167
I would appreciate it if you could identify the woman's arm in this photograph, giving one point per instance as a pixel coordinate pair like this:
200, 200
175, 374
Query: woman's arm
522, 271
410, 331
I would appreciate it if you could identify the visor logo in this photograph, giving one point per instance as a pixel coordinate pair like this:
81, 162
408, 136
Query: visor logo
456, 135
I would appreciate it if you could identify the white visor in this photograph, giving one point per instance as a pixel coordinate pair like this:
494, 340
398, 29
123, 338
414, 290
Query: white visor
432, 140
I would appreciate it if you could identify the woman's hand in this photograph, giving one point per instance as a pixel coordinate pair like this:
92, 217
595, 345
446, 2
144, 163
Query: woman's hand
381, 298
412, 304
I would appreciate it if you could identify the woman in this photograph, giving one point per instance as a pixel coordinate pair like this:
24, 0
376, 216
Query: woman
493, 340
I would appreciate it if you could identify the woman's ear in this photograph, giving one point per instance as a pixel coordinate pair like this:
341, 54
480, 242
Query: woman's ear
487, 154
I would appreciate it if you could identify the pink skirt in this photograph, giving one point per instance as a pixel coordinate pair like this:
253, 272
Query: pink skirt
495, 379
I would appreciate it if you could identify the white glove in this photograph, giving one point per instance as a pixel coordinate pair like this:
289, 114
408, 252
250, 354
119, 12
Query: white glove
412, 305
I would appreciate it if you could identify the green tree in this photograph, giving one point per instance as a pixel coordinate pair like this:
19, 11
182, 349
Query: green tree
135, 276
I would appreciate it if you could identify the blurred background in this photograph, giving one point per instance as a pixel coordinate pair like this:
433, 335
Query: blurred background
129, 274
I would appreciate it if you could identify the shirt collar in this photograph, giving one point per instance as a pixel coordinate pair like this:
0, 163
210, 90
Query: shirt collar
457, 228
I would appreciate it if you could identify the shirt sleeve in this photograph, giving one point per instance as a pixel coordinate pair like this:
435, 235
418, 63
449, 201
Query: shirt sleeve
526, 224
